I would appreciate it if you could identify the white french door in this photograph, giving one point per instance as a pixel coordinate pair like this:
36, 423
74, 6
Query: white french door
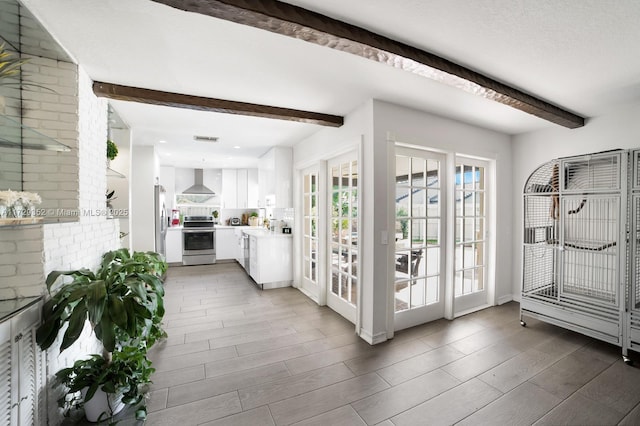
470, 276
432, 272
310, 229
342, 191
419, 244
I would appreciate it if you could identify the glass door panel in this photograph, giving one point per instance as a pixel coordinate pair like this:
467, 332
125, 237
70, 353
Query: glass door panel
310, 241
471, 238
418, 282
343, 195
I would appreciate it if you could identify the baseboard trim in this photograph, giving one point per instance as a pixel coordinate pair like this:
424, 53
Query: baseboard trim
373, 339
308, 294
505, 299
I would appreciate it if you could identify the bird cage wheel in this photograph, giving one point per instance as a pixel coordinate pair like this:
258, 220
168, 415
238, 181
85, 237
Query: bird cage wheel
627, 360
522, 323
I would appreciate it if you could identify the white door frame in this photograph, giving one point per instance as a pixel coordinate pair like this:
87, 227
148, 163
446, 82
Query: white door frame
428, 312
449, 229
473, 302
316, 291
352, 313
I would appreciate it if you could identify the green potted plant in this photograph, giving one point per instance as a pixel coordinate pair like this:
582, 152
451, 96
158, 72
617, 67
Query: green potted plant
112, 150
123, 302
215, 215
253, 219
94, 380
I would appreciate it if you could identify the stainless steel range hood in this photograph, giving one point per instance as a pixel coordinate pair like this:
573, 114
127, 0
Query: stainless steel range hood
198, 188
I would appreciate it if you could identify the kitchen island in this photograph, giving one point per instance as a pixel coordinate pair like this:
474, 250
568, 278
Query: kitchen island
270, 258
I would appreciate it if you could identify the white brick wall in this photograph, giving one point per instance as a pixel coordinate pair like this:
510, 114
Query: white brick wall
81, 244
75, 180
53, 175
21, 273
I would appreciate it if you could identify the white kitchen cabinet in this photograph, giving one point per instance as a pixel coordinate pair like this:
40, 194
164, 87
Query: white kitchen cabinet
270, 263
239, 188
22, 370
275, 178
226, 244
229, 189
237, 233
252, 188
174, 245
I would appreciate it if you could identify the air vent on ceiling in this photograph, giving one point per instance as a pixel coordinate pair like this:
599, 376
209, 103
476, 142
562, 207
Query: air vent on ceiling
205, 138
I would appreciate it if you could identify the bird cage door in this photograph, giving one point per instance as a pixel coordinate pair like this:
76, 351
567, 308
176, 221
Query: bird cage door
541, 218
591, 215
633, 281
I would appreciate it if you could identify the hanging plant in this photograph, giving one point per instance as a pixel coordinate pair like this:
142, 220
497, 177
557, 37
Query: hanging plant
112, 149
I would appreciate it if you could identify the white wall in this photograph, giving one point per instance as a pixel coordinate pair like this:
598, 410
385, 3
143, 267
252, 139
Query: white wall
143, 180
617, 129
372, 123
323, 145
74, 245
53, 175
167, 180
121, 164
450, 136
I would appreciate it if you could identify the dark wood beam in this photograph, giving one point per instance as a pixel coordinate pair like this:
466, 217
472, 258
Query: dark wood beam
177, 100
294, 21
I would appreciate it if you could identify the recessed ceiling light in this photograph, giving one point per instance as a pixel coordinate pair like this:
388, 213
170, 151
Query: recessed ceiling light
237, 147
162, 141
167, 154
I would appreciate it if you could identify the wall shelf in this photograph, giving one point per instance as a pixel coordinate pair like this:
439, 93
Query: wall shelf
114, 174
16, 135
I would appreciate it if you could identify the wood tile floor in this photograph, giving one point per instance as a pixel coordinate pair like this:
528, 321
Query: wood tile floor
237, 355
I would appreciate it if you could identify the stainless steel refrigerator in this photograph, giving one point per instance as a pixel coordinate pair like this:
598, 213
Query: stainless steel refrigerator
161, 223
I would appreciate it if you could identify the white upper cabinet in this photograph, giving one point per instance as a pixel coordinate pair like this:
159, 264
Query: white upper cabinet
252, 188
275, 178
242, 188
229, 189
239, 188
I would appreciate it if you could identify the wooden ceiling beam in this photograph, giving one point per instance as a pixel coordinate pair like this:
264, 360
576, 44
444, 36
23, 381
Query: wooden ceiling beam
293, 21
177, 100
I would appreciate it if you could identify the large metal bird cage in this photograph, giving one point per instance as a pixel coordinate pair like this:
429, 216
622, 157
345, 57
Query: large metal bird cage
581, 218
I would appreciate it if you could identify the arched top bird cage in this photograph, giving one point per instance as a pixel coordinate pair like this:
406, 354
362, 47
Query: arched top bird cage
576, 262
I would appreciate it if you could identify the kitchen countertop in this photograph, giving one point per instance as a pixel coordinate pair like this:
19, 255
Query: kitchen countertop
263, 233
231, 227
9, 308
175, 228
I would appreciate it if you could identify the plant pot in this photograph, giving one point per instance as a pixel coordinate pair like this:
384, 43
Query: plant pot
102, 404
253, 221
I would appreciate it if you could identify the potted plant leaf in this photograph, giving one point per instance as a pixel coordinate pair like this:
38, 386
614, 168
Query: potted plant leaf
95, 381
253, 219
123, 302
112, 150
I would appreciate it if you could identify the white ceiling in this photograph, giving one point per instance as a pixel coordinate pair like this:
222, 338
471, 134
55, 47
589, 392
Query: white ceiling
579, 54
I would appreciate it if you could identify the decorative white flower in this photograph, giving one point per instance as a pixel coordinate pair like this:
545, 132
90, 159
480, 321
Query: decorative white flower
29, 198
8, 198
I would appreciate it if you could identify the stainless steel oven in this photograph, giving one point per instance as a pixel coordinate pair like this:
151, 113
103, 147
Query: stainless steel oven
198, 240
